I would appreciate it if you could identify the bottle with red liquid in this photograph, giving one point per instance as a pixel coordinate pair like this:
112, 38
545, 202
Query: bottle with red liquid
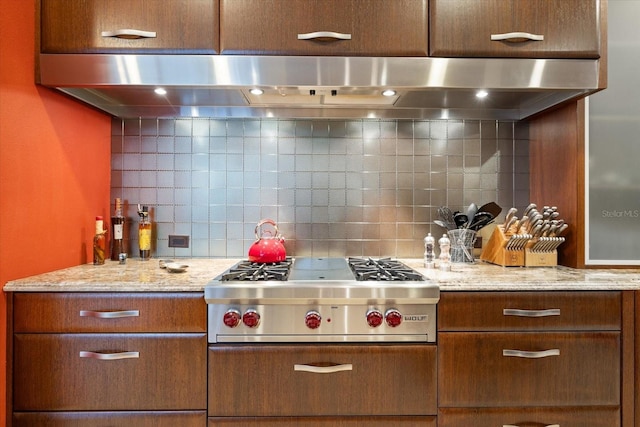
117, 233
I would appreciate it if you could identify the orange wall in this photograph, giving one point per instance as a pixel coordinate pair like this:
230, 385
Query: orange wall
54, 168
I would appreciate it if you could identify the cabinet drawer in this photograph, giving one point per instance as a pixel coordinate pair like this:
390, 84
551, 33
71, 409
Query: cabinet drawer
325, 422
521, 311
180, 26
374, 27
110, 419
378, 380
570, 28
565, 417
52, 372
60, 312
526, 368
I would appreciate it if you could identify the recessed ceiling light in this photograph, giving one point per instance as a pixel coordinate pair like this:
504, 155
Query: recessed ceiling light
388, 92
482, 94
160, 91
256, 91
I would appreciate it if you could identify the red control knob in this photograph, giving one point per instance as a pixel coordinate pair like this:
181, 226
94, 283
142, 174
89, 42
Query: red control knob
374, 318
231, 318
312, 319
251, 318
393, 317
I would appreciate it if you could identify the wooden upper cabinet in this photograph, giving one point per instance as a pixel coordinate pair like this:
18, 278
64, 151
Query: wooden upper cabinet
99, 26
465, 28
354, 27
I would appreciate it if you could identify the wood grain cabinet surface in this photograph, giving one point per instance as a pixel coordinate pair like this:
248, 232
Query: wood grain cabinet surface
465, 28
170, 26
363, 28
265, 380
530, 358
109, 359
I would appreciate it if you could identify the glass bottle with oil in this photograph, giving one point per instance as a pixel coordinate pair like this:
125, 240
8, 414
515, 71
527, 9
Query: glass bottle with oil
144, 233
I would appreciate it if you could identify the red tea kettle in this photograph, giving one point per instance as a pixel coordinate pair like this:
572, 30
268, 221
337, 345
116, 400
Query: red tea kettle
268, 246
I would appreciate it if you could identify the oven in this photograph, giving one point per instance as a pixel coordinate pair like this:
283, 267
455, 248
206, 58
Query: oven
318, 338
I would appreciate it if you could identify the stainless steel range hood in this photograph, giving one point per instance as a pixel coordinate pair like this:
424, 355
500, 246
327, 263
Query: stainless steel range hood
318, 87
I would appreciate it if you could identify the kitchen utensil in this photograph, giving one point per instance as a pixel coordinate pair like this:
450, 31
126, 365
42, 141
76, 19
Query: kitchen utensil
480, 220
443, 224
268, 246
510, 214
492, 207
446, 215
472, 210
461, 220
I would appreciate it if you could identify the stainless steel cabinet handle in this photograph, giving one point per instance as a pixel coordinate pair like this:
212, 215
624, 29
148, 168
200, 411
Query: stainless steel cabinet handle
110, 356
531, 354
512, 425
109, 314
324, 34
517, 37
531, 313
128, 33
323, 369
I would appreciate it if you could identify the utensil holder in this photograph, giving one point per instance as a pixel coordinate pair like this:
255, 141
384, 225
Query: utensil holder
462, 241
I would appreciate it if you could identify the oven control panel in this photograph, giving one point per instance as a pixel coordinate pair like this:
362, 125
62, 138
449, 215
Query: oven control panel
331, 323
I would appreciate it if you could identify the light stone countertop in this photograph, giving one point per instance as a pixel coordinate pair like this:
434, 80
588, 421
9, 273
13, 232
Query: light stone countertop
147, 276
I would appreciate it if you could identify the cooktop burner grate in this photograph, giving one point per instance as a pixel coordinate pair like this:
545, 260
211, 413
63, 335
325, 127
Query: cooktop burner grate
384, 269
254, 271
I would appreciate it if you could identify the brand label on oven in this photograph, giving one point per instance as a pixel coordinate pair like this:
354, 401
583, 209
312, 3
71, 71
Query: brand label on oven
416, 318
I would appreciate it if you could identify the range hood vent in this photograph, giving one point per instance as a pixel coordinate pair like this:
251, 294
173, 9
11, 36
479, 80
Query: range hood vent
318, 87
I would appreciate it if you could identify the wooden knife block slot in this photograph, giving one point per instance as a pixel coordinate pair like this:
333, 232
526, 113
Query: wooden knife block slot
495, 252
540, 259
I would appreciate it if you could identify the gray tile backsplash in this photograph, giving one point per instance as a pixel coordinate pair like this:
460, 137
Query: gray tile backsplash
335, 187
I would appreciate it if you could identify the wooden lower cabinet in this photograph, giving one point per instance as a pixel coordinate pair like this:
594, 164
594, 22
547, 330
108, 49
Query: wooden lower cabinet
497, 417
325, 422
110, 419
392, 381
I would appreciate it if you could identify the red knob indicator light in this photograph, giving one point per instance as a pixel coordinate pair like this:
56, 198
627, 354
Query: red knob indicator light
231, 318
374, 318
393, 317
251, 318
312, 319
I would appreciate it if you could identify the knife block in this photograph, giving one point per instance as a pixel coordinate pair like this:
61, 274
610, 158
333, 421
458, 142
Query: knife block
495, 252
540, 259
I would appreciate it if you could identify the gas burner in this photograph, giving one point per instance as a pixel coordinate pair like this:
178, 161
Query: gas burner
384, 269
254, 271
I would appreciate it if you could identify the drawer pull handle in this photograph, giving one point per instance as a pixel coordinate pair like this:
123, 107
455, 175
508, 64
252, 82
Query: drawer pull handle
323, 369
127, 33
517, 37
110, 356
109, 314
513, 425
531, 354
531, 313
324, 35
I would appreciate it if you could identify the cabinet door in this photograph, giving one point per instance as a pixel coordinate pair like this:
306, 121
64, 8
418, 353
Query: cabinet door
63, 312
528, 311
171, 26
318, 380
110, 419
363, 28
528, 369
570, 28
565, 417
68, 372
324, 422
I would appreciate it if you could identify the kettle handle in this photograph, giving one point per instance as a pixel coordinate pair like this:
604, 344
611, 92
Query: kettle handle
266, 221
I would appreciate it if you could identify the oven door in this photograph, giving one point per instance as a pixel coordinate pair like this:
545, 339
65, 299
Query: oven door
322, 379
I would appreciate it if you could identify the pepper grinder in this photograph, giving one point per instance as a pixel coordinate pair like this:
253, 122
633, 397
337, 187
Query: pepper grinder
429, 256
445, 256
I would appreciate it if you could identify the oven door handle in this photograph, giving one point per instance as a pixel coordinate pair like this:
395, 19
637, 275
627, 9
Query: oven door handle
323, 369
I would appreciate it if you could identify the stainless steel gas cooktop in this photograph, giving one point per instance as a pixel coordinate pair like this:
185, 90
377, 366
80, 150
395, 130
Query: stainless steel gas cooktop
322, 299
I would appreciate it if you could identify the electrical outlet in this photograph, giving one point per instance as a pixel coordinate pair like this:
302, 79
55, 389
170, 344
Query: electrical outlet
176, 241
